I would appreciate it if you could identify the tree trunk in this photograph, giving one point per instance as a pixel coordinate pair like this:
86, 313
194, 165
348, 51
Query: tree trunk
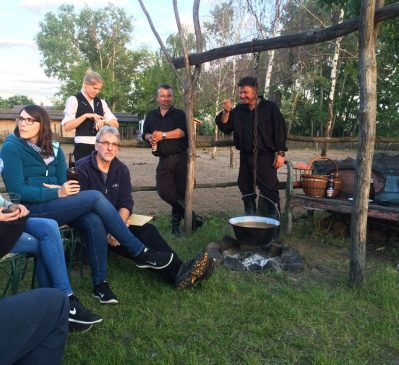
330, 102
233, 86
366, 140
215, 138
215, 132
191, 131
232, 159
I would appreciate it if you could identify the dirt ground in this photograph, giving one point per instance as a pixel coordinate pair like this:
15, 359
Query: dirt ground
142, 168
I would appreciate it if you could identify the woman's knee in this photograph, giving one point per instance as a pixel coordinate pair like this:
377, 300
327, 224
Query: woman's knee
91, 194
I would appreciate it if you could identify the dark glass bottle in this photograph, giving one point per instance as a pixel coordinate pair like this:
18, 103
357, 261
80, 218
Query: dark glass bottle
72, 173
372, 190
330, 186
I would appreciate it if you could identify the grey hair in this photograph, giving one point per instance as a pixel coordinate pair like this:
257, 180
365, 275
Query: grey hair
107, 129
92, 77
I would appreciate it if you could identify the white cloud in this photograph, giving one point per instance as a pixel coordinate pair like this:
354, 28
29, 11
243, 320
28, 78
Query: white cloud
15, 43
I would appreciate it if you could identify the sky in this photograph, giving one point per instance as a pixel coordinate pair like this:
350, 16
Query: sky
20, 70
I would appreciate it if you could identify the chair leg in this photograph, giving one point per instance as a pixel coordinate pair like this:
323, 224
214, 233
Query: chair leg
33, 282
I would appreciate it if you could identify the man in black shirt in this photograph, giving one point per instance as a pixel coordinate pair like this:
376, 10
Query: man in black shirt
165, 130
271, 136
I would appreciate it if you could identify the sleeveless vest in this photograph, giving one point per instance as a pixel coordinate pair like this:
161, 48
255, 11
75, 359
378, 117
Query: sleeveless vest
86, 128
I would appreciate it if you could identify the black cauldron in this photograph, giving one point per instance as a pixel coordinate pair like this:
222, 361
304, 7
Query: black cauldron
254, 230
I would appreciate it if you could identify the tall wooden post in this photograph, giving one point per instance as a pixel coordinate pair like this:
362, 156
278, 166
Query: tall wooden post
366, 140
191, 131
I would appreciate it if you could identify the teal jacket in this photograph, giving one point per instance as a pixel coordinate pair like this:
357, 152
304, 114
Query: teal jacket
25, 171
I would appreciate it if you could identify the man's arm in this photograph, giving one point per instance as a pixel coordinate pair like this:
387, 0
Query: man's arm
174, 134
226, 111
223, 120
280, 137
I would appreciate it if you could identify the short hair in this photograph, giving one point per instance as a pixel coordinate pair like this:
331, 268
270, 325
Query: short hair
165, 87
248, 81
92, 77
107, 129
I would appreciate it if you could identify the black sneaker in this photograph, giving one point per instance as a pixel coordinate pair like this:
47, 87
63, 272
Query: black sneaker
149, 259
194, 271
79, 314
79, 327
104, 294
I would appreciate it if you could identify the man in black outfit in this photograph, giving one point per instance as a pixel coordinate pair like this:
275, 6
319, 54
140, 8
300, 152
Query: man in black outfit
103, 171
270, 141
165, 130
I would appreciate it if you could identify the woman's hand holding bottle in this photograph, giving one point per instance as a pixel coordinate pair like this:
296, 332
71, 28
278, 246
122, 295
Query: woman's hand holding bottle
70, 187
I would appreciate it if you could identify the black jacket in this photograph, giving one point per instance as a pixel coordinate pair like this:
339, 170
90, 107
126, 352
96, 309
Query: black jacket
117, 188
272, 133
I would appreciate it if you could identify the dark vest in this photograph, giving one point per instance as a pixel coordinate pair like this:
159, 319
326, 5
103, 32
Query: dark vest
86, 128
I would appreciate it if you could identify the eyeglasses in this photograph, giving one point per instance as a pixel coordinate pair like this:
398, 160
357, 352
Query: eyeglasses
109, 144
28, 121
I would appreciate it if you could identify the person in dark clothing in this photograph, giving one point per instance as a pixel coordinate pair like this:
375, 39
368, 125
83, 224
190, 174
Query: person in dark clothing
34, 327
271, 136
87, 113
165, 130
104, 172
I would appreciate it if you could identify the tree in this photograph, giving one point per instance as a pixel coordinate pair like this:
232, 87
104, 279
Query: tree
12, 101
331, 95
157, 71
72, 42
219, 80
188, 82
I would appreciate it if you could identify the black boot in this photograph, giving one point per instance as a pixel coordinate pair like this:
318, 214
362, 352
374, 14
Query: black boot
268, 208
197, 221
263, 207
250, 207
175, 225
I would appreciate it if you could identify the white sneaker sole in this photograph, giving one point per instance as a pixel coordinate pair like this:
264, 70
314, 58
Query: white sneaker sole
84, 322
102, 301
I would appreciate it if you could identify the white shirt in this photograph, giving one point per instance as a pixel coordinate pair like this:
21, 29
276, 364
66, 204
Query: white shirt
71, 107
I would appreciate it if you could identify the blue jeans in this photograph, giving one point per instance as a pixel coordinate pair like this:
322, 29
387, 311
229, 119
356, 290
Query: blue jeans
34, 327
92, 213
42, 239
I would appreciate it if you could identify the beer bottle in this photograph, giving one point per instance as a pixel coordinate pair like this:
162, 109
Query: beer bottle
72, 173
154, 149
372, 190
330, 186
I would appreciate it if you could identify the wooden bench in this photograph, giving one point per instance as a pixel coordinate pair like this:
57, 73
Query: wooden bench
295, 197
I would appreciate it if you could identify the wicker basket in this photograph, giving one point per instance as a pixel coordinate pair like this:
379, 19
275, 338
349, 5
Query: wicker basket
316, 185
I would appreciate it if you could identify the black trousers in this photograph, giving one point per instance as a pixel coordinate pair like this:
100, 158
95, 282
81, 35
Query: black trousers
149, 235
82, 150
266, 176
33, 327
171, 181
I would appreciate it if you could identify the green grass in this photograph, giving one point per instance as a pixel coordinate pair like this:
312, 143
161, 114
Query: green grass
244, 318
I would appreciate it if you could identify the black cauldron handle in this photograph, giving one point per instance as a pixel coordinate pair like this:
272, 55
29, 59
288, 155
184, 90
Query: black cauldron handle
274, 205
